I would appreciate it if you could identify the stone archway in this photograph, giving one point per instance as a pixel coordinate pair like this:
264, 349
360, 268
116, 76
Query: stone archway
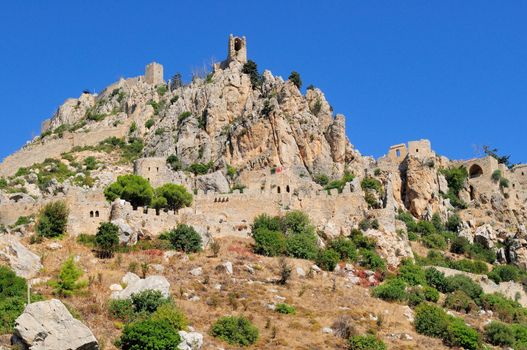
475, 171
237, 44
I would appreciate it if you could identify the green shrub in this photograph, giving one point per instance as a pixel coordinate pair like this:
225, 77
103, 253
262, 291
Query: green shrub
460, 245
499, 334
371, 260
167, 312
327, 259
86, 240
415, 296
251, 69
235, 330
183, 116
132, 188
461, 335
107, 239
469, 266
453, 223
361, 241
285, 309
391, 290
271, 223
295, 222
172, 197
53, 219
345, 248
435, 241
148, 301
3, 183
90, 163
302, 246
67, 283
504, 308
174, 163
149, 334
436, 279
366, 224
321, 179
465, 284
504, 183
269, 243
431, 294
412, 274
431, 320
185, 238
121, 309
460, 301
13, 298
149, 123
366, 342
504, 273
479, 252
200, 168
22, 220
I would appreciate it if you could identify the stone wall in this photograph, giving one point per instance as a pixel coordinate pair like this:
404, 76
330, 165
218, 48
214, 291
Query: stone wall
420, 149
53, 148
154, 169
154, 74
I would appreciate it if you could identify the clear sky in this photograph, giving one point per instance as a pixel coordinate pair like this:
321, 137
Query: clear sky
452, 71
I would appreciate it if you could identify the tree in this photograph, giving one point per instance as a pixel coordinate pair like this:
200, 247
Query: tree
295, 79
107, 239
185, 238
251, 69
132, 188
502, 159
53, 219
67, 284
174, 162
176, 81
173, 197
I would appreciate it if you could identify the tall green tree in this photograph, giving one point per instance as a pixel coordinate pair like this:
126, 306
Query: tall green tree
172, 197
132, 188
107, 239
53, 219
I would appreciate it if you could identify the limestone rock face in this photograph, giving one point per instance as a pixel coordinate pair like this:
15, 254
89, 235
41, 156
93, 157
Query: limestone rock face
24, 262
213, 182
72, 111
225, 120
190, 340
391, 246
422, 187
48, 325
136, 285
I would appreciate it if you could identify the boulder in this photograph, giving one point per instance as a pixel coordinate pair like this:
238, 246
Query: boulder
127, 234
486, 236
215, 182
135, 285
190, 340
48, 325
24, 262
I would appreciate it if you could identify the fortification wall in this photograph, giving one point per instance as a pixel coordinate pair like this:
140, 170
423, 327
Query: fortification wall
53, 148
154, 169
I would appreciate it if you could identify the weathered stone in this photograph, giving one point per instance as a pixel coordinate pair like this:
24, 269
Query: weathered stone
190, 340
135, 286
24, 262
48, 325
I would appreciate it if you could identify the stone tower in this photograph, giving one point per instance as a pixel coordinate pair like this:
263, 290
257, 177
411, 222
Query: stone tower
237, 49
154, 74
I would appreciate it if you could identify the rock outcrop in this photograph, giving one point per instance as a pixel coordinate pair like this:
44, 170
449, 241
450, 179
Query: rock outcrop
24, 262
48, 325
135, 285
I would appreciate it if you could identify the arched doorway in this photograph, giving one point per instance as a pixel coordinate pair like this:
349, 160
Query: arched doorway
475, 171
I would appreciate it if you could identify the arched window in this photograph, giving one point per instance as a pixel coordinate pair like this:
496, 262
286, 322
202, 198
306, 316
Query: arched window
287, 189
278, 189
397, 153
475, 171
96, 213
237, 44
91, 214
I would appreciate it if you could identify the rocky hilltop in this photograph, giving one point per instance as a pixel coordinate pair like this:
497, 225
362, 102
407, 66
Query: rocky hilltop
241, 144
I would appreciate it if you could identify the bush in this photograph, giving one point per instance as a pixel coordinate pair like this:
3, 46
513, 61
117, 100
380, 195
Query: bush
200, 168
53, 219
362, 241
132, 188
169, 313
302, 246
371, 260
235, 330
499, 334
431, 320
251, 69
465, 284
469, 266
327, 259
345, 248
285, 309
269, 243
271, 223
460, 245
149, 334
505, 273
66, 284
505, 309
185, 238
121, 309
183, 116
453, 223
107, 239
392, 290
435, 241
436, 279
294, 77
412, 274
148, 301
13, 298
149, 123
371, 183
415, 296
431, 294
366, 342
478, 251
295, 222
460, 301
174, 163
90, 163
321, 179
459, 334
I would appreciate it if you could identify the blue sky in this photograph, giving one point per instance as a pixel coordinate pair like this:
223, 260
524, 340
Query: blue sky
452, 71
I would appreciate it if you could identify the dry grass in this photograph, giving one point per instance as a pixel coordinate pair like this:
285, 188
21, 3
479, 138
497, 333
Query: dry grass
317, 304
